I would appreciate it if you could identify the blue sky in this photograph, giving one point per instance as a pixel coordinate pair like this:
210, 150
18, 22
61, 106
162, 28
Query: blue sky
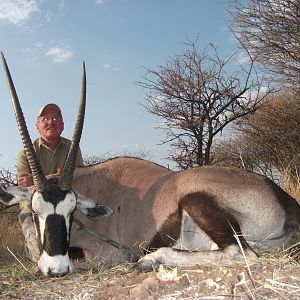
45, 42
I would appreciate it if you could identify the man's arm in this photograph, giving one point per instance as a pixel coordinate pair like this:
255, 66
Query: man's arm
23, 170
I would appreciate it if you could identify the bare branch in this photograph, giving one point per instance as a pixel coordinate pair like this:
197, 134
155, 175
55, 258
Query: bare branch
268, 141
270, 32
196, 98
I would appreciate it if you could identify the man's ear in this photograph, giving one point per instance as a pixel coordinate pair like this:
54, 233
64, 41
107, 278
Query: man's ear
14, 195
37, 126
91, 209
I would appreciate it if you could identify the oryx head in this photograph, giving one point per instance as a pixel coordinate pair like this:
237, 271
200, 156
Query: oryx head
53, 201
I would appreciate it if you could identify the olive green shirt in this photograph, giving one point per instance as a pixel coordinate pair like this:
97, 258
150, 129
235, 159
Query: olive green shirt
50, 160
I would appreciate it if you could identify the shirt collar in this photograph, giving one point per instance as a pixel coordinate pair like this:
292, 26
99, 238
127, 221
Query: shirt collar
41, 143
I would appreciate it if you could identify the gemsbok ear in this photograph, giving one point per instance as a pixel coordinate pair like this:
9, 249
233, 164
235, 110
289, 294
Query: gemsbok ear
91, 209
14, 195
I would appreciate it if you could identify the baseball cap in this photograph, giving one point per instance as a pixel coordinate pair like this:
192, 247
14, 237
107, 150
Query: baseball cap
49, 105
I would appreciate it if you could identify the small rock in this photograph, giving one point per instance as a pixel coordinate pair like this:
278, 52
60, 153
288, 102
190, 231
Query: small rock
139, 293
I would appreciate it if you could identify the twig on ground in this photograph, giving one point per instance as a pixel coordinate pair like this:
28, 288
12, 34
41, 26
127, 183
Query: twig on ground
15, 257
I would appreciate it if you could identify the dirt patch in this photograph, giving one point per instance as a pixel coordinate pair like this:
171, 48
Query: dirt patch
276, 276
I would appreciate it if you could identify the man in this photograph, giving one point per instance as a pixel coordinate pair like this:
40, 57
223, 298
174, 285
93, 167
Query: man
52, 151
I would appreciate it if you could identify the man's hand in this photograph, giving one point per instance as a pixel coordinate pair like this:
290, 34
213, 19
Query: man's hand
25, 180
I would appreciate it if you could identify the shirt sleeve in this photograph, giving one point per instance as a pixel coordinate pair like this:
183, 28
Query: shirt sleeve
22, 164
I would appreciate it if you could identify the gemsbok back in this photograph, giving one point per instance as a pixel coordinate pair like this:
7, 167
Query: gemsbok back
197, 216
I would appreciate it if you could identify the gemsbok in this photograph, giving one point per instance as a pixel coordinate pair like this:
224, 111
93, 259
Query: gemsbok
197, 216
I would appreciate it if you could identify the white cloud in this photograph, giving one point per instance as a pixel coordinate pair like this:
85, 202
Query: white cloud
126, 146
59, 55
28, 50
61, 4
110, 67
99, 1
243, 58
32, 50
17, 11
48, 16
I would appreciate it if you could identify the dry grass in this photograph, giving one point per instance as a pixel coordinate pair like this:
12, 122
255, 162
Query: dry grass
277, 276
20, 281
10, 230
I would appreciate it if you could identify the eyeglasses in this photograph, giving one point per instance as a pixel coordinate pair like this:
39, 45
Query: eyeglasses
46, 119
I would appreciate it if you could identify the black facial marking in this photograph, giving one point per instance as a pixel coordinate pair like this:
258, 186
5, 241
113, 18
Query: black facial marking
37, 226
97, 211
70, 223
5, 196
55, 236
53, 193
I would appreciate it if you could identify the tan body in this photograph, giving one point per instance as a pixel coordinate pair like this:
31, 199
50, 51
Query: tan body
146, 197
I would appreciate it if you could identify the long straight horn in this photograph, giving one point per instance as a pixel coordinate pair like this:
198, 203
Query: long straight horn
39, 178
67, 174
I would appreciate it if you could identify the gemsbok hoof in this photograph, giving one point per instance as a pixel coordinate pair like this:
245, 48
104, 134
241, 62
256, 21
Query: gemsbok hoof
145, 266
